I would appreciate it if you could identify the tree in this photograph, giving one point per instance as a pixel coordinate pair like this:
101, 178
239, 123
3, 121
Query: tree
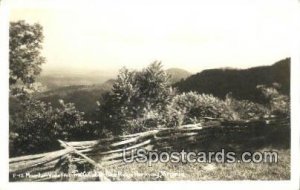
35, 125
24, 55
138, 100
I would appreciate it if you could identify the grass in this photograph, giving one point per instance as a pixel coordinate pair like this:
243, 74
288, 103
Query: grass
273, 139
205, 171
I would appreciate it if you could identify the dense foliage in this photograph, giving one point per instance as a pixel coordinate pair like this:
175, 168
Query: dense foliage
37, 126
277, 103
137, 101
34, 125
24, 54
191, 107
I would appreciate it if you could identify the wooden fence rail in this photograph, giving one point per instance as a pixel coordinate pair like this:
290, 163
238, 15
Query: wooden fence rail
103, 153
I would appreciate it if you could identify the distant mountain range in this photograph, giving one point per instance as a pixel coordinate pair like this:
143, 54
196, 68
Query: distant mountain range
52, 82
177, 74
64, 80
240, 82
83, 96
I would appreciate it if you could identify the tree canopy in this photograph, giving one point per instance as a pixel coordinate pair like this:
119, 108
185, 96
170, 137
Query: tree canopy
138, 99
25, 59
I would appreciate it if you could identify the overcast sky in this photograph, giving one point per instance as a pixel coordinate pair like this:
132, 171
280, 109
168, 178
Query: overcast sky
193, 35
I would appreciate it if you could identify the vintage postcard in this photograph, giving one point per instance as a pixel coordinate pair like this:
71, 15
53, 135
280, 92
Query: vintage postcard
150, 90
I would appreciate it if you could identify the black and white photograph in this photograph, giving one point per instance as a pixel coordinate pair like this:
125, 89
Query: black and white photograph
142, 91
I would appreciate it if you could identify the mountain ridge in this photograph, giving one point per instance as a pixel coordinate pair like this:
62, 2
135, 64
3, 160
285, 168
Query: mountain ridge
240, 82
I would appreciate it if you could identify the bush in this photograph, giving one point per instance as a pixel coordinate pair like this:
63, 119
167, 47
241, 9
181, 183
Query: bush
138, 100
278, 104
245, 109
191, 107
38, 125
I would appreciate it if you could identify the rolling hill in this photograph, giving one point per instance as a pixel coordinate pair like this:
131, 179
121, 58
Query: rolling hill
83, 96
58, 79
177, 74
240, 82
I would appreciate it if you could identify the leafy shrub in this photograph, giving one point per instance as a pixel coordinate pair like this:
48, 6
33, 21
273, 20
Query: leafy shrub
192, 107
38, 125
137, 101
245, 109
278, 103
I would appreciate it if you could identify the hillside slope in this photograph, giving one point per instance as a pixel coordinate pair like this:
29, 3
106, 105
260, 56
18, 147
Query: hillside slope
177, 74
240, 82
83, 96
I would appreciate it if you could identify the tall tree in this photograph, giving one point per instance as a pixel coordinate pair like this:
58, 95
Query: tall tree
35, 126
25, 59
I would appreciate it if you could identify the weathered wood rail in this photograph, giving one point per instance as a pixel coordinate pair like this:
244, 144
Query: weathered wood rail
102, 153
